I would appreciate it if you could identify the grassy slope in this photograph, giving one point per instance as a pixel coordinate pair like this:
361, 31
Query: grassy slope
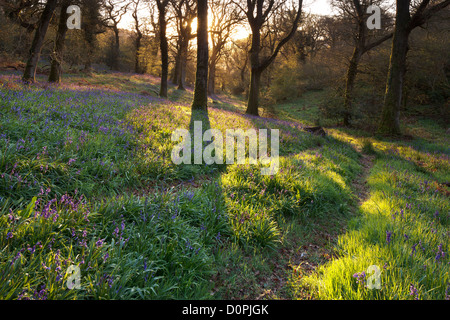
67, 156
143, 227
87, 180
403, 226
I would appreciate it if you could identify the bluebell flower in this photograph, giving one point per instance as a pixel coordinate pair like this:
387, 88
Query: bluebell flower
413, 292
388, 236
360, 277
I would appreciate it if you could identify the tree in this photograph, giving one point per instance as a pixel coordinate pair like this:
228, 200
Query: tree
200, 101
257, 13
92, 24
224, 19
154, 47
185, 12
237, 65
164, 47
334, 31
146, 39
309, 39
404, 24
356, 11
57, 54
23, 12
139, 36
151, 31
39, 36
115, 10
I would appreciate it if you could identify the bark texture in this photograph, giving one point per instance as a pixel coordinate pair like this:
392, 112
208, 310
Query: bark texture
200, 101
29, 74
58, 52
164, 47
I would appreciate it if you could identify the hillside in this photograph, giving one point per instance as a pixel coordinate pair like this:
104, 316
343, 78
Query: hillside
87, 180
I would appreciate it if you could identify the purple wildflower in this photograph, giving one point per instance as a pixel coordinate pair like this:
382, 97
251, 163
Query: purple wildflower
413, 250
23, 296
440, 253
413, 292
40, 295
360, 277
388, 236
99, 243
436, 214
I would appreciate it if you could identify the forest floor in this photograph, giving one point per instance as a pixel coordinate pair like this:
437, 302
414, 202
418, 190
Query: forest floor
87, 179
303, 251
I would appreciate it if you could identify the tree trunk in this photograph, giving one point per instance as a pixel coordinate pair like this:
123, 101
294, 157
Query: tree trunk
137, 65
255, 74
253, 95
182, 65
153, 55
138, 41
349, 85
176, 69
200, 101
164, 48
88, 63
212, 78
57, 56
39, 36
89, 38
212, 71
91, 25
242, 71
116, 49
257, 66
390, 123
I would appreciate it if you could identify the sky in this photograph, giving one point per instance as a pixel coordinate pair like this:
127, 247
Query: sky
321, 7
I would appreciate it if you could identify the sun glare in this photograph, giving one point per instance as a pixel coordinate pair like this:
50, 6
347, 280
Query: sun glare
322, 7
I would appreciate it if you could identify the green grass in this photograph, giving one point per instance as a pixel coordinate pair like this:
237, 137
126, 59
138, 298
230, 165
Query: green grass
407, 176
305, 109
86, 179
403, 229
159, 247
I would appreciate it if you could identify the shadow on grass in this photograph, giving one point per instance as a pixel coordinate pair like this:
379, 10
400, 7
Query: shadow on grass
288, 220
404, 211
